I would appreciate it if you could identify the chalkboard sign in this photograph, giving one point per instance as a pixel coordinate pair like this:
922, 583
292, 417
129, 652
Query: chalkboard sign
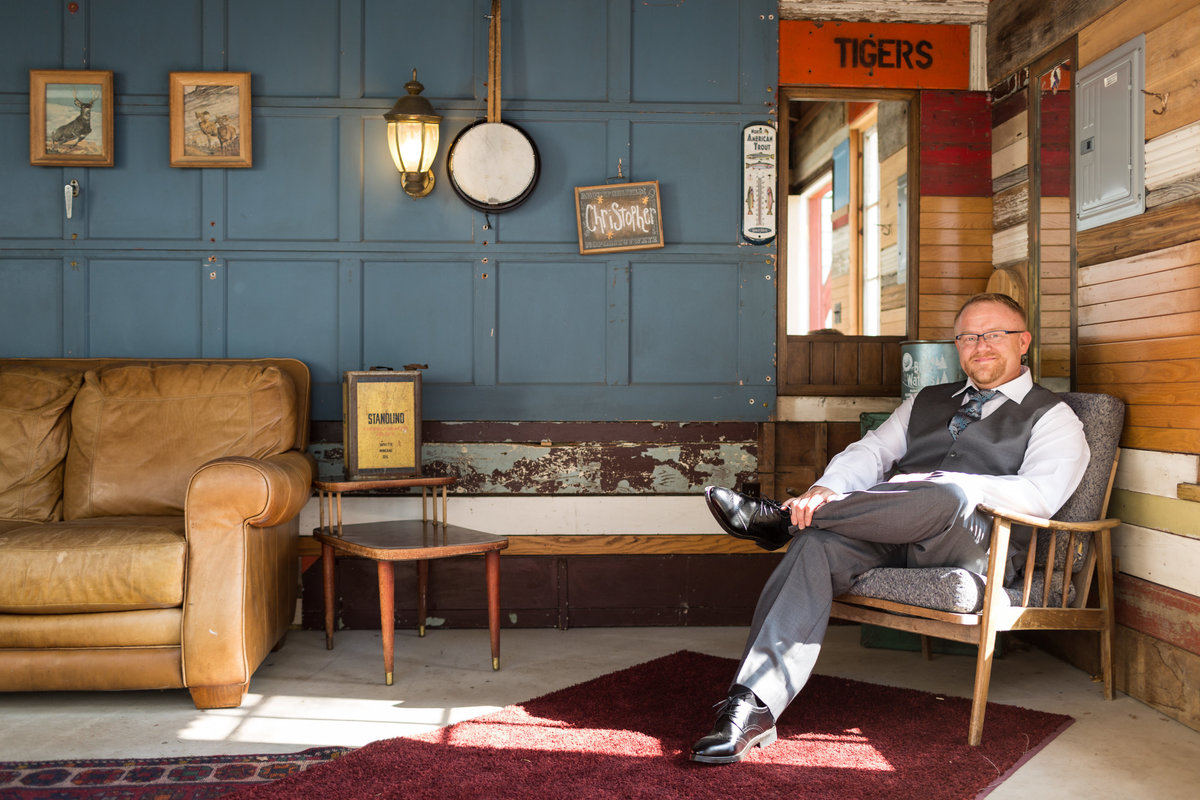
618, 216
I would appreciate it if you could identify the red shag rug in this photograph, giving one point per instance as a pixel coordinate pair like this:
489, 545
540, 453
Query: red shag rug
628, 735
192, 778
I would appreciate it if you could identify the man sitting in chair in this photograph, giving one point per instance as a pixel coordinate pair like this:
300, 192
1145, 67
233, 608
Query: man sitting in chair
905, 495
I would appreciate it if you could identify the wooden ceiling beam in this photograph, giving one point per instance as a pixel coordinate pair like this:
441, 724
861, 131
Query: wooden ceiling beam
960, 12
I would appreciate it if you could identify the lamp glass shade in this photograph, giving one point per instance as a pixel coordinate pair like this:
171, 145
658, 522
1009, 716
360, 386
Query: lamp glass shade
413, 144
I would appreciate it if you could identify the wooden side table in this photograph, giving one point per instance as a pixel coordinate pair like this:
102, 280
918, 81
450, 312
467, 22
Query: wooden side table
402, 540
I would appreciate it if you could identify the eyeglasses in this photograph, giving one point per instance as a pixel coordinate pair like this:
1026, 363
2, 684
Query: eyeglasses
991, 337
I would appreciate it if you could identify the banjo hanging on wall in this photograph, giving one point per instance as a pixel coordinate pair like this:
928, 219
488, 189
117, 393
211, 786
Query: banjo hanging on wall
493, 165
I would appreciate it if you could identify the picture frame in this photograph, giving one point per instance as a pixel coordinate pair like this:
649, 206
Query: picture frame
71, 118
618, 216
210, 119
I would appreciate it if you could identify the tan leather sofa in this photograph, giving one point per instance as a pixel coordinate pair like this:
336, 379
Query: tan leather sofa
148, 521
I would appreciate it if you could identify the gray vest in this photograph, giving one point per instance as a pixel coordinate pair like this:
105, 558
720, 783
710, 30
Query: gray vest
995, 445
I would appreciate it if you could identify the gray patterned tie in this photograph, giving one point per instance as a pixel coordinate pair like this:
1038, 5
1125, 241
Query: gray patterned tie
971, 410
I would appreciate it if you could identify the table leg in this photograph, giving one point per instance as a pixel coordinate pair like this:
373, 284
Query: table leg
422, 594
492, 570
387, 616
327, 578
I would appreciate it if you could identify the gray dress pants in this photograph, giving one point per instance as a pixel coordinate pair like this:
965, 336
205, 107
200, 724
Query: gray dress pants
917, 524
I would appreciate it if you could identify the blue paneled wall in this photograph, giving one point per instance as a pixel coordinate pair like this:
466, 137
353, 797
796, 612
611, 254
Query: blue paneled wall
316, 252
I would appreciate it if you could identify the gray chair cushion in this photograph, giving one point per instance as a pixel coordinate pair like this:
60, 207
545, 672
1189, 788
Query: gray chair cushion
1102, 416
942, 588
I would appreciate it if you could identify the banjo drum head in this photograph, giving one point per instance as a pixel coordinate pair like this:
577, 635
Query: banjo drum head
493, 166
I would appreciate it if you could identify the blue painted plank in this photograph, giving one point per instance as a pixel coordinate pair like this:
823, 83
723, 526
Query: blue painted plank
143, 309
33, 283
142, 197
684, 326
698, 167
419, 313
145, 43
542, 58
32, 36
571, 154
31, 205
685, 52
551, 324
292, 49
291, 193
437, 39
288, 308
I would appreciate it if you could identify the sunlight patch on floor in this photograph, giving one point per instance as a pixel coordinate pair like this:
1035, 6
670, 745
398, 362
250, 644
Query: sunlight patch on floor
313, 721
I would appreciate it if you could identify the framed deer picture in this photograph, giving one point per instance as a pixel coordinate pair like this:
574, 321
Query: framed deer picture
210, 119
70, 118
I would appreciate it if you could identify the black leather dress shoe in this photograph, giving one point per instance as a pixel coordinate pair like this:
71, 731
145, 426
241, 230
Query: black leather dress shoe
762, 521
741, 724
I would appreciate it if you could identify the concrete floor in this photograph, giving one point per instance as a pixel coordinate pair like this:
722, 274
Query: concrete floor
305, 696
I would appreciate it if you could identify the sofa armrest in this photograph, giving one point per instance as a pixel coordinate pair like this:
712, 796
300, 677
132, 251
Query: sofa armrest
242, 565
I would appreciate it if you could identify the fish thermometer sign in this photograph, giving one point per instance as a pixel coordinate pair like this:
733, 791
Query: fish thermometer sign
758, 183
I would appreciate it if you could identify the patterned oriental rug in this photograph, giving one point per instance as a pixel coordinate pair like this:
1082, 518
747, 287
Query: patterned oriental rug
194, 778
623, 735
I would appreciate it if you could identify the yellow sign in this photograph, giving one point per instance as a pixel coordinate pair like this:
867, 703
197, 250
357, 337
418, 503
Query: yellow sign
385, 425
382, 424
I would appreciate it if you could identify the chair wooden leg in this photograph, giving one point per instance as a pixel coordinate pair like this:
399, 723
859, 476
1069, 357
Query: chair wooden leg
926, 647
422, 594
327, 580
1108, 634
983, 679
387, 616
492, 570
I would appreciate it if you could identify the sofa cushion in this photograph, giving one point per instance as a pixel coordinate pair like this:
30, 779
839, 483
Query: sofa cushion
34, 430
139, 432
107, 564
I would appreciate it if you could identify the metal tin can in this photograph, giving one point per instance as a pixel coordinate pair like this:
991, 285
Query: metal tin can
928, 362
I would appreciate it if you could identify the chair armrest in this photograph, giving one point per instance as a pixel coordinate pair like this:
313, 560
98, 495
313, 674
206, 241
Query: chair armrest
1043, 522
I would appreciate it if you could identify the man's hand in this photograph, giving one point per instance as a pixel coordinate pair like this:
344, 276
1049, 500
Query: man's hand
802, 507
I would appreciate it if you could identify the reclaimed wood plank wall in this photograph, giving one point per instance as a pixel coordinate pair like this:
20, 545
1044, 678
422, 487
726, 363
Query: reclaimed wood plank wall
1137, 286
956, 206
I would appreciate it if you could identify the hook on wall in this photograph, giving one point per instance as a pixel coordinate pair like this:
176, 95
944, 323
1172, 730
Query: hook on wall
70, 191
1162, 99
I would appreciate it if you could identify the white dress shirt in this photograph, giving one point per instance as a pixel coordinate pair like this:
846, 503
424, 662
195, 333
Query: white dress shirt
1054, 463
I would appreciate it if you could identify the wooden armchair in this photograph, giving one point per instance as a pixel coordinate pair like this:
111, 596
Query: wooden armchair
955, 604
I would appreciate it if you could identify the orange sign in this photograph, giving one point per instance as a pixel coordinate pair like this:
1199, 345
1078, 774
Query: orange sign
875, 55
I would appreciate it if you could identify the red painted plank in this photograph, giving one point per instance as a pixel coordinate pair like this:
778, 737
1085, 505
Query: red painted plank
956, 144
1158, 611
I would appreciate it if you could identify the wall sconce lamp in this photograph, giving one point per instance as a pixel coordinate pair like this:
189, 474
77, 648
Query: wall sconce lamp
412, 133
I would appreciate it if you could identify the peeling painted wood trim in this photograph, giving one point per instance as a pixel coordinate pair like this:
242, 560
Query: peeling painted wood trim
795, 408
1166, 514
1158, 611
1154, 472
1158, 557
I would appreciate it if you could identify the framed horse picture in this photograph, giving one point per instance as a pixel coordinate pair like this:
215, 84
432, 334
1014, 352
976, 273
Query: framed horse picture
70, 118
210, 119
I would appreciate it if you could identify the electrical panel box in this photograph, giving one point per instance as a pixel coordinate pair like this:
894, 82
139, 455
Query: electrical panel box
1110, 138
